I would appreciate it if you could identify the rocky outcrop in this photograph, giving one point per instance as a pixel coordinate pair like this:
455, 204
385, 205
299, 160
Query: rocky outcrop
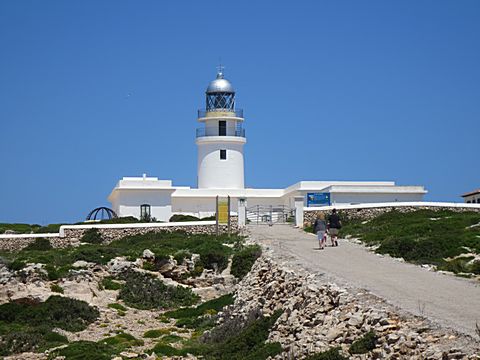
318, 316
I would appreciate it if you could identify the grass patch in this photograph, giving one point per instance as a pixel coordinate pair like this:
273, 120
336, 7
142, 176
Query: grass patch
80, 350
331, 354
56, 288
117, 306
143, 291
244, 259
26, 325
422, 236
156, 333
202, 309
108, 283
200, 317
122, 341
364, 344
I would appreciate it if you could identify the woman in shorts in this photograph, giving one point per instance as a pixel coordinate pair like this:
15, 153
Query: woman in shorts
320, 228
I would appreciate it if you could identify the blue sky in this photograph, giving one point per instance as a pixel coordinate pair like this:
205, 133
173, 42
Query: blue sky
332, 90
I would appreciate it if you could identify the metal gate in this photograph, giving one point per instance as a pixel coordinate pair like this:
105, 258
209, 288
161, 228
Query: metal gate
270, 214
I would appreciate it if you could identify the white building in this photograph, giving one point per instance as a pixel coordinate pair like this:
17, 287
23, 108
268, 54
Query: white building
220, 141
472, 197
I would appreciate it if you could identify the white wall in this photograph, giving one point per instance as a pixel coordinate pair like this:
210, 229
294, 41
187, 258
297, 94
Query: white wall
472, 199
342, 198
220, 174
127, 203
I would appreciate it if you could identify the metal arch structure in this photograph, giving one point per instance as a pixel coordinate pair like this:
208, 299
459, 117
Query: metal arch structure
102, 213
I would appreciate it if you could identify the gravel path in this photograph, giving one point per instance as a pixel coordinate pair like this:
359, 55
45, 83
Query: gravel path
444, 299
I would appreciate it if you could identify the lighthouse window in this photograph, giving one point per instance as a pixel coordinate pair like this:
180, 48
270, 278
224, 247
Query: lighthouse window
223, 154
222, 128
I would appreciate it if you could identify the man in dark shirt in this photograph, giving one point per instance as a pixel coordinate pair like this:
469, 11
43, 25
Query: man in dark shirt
334, 225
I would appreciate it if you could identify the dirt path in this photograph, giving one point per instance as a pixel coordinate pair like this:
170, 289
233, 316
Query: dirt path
444, 299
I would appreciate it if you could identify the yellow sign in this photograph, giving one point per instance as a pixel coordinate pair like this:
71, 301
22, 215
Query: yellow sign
222, 212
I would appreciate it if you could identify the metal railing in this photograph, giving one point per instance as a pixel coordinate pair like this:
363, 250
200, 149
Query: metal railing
221, 112
203, 132
270, 214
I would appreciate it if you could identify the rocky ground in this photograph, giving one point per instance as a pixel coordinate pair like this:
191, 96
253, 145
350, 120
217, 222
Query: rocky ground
317, 315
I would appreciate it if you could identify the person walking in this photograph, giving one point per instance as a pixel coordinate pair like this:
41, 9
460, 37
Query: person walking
334, 225
319, 228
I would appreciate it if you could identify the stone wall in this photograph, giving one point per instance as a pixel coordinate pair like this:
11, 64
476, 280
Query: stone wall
319, 315
369, 213
72, 235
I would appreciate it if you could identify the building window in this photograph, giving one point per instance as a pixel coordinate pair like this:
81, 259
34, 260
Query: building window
222, 128
145, 212
223, 154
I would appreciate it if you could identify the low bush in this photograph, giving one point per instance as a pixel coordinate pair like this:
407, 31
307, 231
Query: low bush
364, 344
216, 304
56, 288
16, 265
152, 334
183, 218
80, 350
244, 259
26, 325
331, 354
40, 244
422, 236
122, 341
108, 283
91, 236
143, 291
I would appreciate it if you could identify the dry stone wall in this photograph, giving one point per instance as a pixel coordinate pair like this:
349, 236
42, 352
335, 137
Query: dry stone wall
370, 213
73, 235
319, 316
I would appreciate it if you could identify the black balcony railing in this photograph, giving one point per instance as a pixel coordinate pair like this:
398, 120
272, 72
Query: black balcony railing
237, 132
233, 113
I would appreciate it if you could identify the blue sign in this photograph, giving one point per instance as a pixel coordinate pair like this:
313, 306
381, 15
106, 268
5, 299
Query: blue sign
318, 199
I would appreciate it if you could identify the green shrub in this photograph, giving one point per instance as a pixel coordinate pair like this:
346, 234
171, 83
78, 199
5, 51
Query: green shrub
122, 341
16, 265
156, 333
183, 218
181, 255
117, 306
422, 236
364, 344
40, 244
27, 339
143, 291
249, 343
243, 260
216, 304
166, 350
331, 354
26, 325
81, 350
108, 283
92, 236
458, 265
56, 288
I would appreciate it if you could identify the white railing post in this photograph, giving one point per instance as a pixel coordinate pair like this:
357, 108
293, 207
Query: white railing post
242, 212
299, 202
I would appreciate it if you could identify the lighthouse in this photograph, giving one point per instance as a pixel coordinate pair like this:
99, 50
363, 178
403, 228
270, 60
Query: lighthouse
220, 138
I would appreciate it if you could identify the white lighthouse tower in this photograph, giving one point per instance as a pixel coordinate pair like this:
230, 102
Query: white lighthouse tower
221, 138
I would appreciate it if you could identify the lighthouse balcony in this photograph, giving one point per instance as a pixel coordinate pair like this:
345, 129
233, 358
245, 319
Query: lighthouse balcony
220, 112
207, 132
